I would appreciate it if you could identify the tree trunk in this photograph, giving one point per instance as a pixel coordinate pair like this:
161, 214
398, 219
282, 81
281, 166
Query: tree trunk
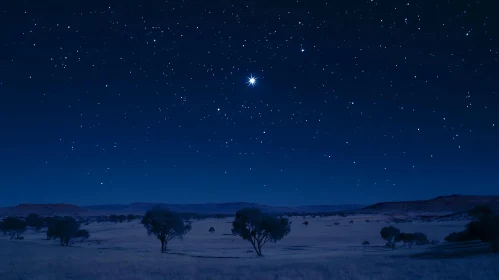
259, 252
163, 249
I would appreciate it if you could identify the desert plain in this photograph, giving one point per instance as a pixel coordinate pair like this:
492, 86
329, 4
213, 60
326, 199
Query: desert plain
321, 250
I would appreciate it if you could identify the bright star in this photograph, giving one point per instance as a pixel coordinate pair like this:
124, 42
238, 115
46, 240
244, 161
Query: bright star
251, 81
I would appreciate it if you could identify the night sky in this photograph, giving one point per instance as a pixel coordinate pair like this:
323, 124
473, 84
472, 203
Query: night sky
108, 102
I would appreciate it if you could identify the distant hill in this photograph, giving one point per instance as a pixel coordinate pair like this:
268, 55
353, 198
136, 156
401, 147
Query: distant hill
452, 203
140, 208
219, 208
43, 209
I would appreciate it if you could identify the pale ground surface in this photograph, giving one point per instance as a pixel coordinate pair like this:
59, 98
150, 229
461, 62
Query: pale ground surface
319, 251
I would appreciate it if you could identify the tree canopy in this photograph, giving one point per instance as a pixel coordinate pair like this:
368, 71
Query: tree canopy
14, 227
166, 225
259, 228
390, 234
66, 229
34, 221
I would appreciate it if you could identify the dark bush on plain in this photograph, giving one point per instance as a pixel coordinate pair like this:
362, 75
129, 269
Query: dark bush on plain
66, 230
14, 227
485, 229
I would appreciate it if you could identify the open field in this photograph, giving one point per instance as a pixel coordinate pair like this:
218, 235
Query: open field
320, 251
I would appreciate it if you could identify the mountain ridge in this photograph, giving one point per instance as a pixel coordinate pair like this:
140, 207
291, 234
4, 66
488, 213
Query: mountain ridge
142, 207
449, 203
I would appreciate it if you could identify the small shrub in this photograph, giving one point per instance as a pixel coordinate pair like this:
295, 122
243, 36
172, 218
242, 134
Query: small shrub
365, 243
305, 223
211, 230
336, 224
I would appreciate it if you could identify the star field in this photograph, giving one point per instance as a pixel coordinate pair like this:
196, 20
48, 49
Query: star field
276, 102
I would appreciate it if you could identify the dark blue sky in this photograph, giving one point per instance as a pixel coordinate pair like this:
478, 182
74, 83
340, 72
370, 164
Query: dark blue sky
355, 101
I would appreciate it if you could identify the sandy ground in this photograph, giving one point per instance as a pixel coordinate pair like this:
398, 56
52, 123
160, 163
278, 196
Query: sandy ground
320, 251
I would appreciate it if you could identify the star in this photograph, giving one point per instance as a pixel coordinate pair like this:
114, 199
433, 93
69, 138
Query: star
251, 80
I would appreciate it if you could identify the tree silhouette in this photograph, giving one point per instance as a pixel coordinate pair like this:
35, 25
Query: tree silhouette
14, 227
390, 234
34, 221
259, 228
66, 229
165, 225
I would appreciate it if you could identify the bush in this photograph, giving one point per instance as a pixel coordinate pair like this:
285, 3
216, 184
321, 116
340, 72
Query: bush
211, 230
305, 223
67, 230
421, 238
14, 227
365, 243
480, 211
34, 221
259, 228
461, 236
165, 225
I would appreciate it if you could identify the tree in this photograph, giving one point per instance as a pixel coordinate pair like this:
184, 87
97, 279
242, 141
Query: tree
211, 230
34, 221
166, 225
259, 228
485, 229
390, 234
67, 230
408, 238
14, 227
